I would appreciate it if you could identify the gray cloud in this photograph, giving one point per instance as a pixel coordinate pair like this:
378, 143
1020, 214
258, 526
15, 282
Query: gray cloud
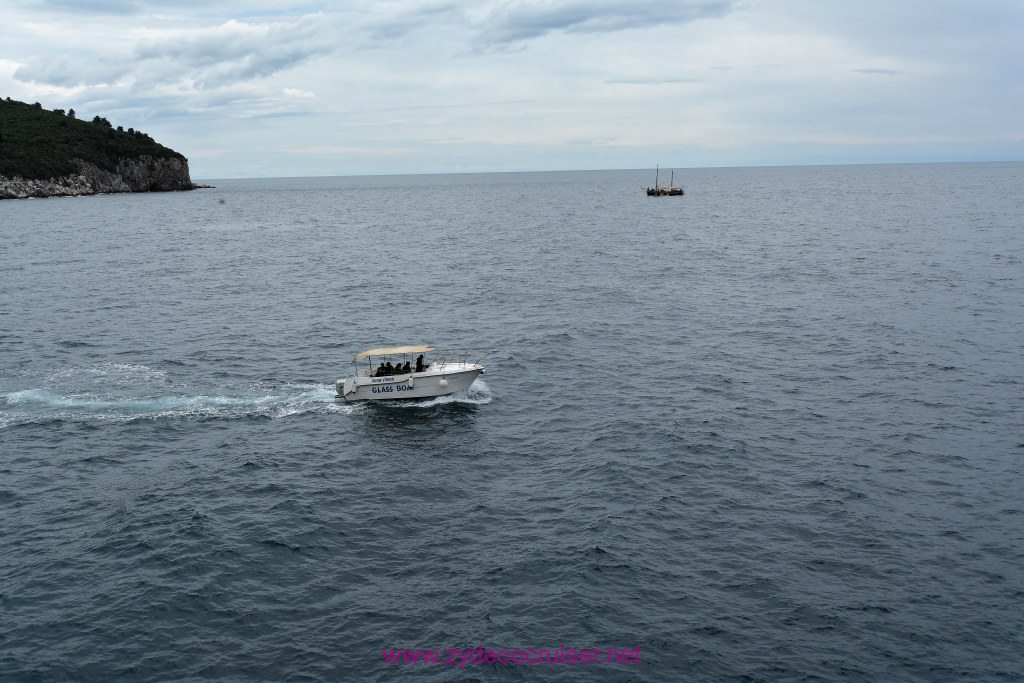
524, 21
517, 22
148, 7
209, 58
68, 71
117, 7
238, 51
405, 23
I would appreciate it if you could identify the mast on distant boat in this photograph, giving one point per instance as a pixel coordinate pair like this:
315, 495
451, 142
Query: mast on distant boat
664, 190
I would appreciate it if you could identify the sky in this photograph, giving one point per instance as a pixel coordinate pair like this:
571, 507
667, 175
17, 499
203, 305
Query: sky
282, 88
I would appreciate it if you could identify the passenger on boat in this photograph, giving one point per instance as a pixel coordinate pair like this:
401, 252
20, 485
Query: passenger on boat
419, 363
388, 370
380, 371
405, 368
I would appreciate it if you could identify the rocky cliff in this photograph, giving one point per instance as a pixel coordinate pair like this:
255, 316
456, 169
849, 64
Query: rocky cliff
144, 174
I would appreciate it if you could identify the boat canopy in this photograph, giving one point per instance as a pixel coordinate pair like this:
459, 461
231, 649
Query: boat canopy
393, 350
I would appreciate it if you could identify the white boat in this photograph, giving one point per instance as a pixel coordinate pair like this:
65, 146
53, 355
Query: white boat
440, 374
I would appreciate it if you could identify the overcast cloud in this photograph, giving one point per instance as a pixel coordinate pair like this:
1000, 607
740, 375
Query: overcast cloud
263, 88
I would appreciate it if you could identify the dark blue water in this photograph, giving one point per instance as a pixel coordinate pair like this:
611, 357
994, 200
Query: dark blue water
770, 430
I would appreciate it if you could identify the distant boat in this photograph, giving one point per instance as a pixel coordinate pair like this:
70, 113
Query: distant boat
664, 190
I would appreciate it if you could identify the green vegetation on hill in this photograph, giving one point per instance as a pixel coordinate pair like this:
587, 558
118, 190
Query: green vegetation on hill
40, 144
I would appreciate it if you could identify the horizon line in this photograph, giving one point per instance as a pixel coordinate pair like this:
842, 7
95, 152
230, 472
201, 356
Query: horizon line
603, 170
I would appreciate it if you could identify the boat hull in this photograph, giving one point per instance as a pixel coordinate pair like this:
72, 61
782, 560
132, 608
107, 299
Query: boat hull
418, 385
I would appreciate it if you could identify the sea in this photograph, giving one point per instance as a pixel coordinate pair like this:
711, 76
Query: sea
770, 430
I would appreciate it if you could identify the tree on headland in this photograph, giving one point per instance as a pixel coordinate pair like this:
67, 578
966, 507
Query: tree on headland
45, 143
